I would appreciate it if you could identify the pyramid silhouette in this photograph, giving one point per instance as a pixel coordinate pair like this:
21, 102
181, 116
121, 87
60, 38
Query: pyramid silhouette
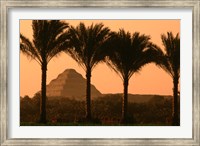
70, 84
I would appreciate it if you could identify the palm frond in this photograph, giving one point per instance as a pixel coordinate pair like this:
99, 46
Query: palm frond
58, 45
27, 48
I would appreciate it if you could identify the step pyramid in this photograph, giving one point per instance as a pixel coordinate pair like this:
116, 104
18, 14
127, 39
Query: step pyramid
70, 84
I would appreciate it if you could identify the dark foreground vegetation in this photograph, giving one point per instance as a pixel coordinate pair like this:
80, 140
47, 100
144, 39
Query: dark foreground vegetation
106, 111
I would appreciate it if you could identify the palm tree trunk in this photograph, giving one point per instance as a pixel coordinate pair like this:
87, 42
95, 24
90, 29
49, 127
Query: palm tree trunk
88, 95
43, 95
125, 102
175, 106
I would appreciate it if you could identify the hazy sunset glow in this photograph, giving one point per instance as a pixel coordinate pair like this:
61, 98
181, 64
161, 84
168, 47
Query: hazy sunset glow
150, 80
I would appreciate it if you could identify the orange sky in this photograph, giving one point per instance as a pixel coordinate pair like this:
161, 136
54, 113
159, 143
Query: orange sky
150, 80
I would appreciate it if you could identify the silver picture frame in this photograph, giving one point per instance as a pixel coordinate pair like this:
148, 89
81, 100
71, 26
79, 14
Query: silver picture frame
5, 5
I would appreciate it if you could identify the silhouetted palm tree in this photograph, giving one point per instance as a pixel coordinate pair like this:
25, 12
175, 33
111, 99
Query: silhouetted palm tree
170, 61
48, 41
88, 46
129, 54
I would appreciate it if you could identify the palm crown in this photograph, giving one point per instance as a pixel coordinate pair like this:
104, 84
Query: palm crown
130, 53
171, 44
88, 44
48, 40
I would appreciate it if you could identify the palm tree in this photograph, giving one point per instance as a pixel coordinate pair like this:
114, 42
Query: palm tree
129, 54
88, 49
169, 60
48, 41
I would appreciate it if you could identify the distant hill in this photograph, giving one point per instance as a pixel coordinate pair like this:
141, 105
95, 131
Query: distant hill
136, 98
132, 98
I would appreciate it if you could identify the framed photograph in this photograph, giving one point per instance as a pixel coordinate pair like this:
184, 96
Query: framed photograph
100, 72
